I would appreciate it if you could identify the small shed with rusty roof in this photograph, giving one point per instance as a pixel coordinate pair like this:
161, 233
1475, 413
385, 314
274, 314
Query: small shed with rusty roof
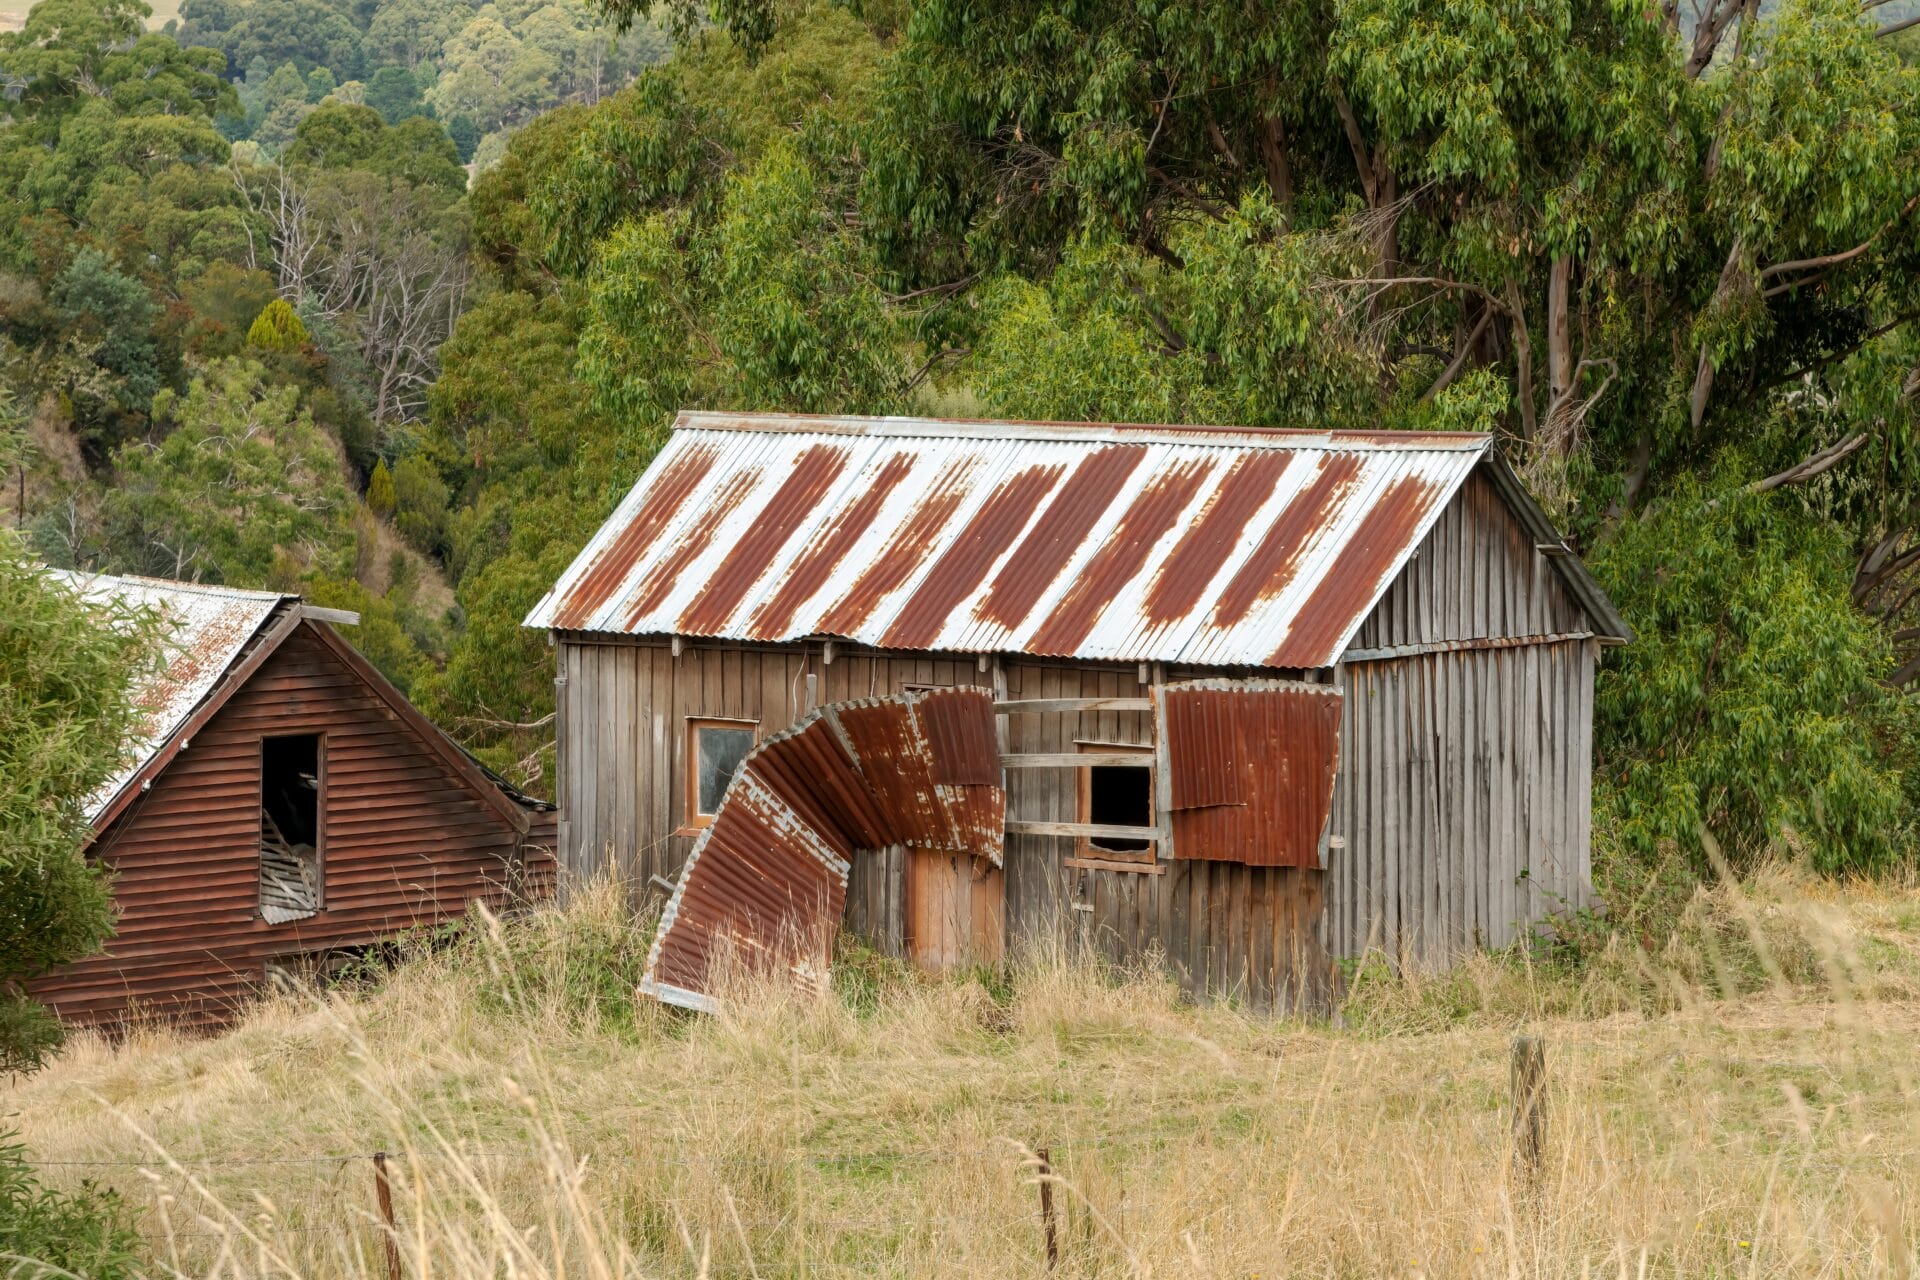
1250, 699
280, 804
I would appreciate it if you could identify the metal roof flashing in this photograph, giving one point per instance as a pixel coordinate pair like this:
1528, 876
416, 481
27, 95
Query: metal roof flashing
1217, 547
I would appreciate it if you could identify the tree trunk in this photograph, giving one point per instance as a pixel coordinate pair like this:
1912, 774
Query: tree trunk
1560, 366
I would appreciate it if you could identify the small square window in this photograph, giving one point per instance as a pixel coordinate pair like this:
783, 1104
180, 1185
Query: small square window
715, 749
1117, 795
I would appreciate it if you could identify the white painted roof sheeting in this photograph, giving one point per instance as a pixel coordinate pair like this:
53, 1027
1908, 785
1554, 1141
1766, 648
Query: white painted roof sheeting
207, 627
1221, 547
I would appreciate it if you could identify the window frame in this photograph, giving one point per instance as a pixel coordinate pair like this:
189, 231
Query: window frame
1083, 847
691, 819
319, 812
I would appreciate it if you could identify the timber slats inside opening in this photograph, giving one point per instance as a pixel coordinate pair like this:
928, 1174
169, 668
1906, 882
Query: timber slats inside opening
764, 885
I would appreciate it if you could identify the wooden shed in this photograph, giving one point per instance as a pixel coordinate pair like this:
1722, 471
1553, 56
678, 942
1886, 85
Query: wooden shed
283, 804
1252, 699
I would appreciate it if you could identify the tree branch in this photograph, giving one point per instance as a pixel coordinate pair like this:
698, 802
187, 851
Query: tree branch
1459, 361
1808, 467
1834, 259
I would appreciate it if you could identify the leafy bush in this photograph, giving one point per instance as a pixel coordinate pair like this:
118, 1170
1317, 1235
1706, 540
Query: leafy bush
1750, 710
86, 1233
277, 328
380, 489
420, 505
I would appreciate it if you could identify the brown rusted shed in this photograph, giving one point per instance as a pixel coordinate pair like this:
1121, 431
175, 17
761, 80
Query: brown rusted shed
1251, 767
901, 557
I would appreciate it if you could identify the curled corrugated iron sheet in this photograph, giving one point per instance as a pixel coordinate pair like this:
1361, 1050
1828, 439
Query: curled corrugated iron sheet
203, 630
766, 882
1251, 767
1217, 547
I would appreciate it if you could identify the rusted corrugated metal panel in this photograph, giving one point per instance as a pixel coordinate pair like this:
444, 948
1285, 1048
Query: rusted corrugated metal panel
1250, 767
205, 630
765, 884
1208, 546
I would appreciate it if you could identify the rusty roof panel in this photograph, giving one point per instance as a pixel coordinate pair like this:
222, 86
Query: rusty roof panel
1251, 767
765, 884
206, 628
1206, 546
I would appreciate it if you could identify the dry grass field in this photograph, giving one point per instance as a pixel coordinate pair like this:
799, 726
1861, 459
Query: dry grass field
1746, 1103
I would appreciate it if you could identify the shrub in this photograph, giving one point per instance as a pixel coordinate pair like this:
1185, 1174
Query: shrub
380, 489
85, 1233
277, 328
1751, 705
420, 505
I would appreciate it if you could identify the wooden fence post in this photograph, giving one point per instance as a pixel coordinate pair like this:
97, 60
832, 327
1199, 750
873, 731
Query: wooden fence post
383, 1191
1046, 1209
1529, 1104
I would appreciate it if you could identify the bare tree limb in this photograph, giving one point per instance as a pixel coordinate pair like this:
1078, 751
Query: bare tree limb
1459, 361
1834, 259
1893, 28
1808, 467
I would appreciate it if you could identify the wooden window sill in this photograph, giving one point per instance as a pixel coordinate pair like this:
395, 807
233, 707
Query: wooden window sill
1104, 864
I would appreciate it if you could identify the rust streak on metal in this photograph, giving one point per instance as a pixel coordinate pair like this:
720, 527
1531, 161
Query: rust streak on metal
1058, 535
765, 885
797, 498
669, 493
1251, 767
812, 570
1275, 561
1132, 540
1197, 557
911, 545
958, 572
659, 582
1356, 575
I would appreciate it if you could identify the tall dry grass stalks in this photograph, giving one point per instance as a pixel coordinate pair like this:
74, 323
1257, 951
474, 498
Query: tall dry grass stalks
1740, 1103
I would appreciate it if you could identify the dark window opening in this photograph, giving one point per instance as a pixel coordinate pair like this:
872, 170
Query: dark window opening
714, 754
1119, 796
289, 828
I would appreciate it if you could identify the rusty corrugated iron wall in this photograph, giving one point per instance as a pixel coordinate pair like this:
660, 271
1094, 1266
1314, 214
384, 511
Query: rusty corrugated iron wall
1249, 769
765, 884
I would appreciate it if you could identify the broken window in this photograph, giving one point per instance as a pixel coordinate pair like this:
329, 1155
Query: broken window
289, 827
715, 749
1117, 795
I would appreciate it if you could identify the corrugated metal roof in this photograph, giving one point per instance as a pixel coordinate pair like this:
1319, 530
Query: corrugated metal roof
207, 627
1214, 546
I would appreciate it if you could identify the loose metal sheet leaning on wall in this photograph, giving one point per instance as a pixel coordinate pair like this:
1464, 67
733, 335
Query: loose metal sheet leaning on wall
767, 881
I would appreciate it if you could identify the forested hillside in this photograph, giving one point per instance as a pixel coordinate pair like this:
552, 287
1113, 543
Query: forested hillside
261, 329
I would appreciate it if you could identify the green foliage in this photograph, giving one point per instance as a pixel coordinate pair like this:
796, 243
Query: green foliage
349, 136
109, 364
380, 497
395, 94
420, 500
88, 1232
465, 135
242, 488
66, 713
393, 634
277, 328
1744, 713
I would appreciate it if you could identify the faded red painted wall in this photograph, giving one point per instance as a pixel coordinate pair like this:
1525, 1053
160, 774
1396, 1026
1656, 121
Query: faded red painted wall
406, 842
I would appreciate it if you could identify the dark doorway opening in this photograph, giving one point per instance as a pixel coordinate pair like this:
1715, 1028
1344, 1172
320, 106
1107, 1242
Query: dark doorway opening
290, 784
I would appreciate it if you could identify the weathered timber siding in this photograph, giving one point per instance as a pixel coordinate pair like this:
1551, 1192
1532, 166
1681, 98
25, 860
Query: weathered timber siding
406, 842
1476, 575
1223, 928
1462, 799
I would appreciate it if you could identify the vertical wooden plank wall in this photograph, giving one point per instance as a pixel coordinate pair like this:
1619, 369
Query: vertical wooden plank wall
1463, 800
